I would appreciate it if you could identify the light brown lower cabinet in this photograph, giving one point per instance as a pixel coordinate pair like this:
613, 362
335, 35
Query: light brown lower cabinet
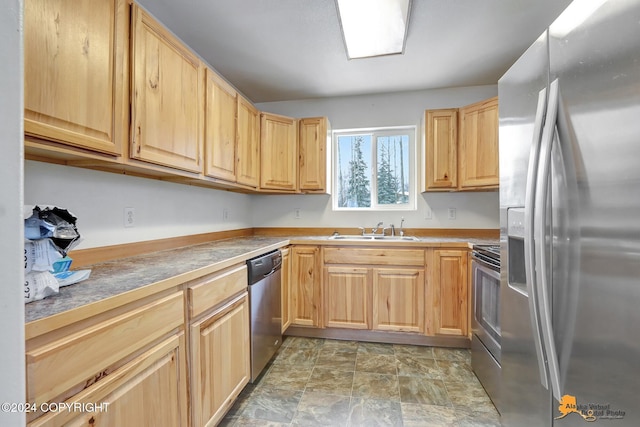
398, 299
220, 360
132, 360
285, 305
305, 282
150, 390
449, 293
380, 289
179, 358
347, 297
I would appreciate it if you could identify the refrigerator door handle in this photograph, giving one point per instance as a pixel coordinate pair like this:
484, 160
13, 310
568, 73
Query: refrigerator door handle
542, 269
529, 226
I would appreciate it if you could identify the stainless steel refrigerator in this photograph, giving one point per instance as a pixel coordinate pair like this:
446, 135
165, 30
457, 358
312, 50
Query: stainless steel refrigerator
570, 222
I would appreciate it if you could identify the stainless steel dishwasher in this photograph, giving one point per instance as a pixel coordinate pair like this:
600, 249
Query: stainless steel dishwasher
264, 302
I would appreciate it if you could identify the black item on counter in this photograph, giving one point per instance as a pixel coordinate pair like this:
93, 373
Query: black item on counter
55, 223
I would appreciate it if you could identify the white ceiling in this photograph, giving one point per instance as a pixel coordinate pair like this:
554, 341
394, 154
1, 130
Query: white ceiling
276, 50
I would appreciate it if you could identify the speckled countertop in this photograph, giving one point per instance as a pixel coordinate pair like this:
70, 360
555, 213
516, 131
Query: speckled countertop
114, 278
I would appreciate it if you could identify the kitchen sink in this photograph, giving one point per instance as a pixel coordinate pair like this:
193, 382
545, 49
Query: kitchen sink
372, 238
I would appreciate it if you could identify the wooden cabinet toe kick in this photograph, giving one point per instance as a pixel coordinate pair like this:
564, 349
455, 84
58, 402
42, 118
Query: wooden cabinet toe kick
379, 336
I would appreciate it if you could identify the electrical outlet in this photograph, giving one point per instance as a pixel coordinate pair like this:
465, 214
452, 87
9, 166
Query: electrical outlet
129, 217
452, 213
297, 213
428, 214
225, 214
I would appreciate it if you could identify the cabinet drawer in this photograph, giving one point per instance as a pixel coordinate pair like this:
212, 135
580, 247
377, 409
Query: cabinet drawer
382, 256
214, 289
157, 375
81, 357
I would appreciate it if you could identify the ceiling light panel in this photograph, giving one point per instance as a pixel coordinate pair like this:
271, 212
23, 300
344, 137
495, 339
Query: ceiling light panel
373, 27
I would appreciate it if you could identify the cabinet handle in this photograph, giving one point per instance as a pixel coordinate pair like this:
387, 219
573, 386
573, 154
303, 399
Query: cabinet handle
136, 139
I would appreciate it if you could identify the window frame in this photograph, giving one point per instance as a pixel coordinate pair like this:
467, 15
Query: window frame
375, 132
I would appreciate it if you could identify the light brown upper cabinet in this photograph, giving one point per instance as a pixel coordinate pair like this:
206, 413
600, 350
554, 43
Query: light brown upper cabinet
278, 153
167, 99
248, 148
76, 72
461, 148
313, 140
478, 154
441, 149
220, 129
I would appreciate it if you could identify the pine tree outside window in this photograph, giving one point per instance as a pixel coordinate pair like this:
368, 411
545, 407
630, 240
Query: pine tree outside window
374, 169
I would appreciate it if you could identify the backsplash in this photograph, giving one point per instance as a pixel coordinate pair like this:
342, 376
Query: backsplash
162, 209
473, 210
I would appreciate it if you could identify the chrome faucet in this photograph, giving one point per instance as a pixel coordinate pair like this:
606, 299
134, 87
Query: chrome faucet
375, 230
390, 227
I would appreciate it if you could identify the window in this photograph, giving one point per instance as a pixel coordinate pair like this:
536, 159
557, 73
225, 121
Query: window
374, 169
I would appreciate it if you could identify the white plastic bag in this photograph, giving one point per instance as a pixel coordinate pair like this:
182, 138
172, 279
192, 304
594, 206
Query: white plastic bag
39, 255
66, 278
39, 285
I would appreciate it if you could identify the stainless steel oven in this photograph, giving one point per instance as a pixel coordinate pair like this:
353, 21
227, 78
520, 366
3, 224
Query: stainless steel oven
485, 340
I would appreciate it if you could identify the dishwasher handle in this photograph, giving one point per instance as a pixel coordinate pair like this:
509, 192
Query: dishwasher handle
264, 266
277, 265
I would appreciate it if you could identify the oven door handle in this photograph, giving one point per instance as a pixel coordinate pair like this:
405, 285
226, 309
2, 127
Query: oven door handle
529, 240
494, 270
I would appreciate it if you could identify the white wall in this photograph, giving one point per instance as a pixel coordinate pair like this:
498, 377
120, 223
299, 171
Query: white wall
12, 370
391, 109
162, 209
473, 210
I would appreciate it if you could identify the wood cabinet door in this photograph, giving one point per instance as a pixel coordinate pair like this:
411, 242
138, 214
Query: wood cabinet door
450, 296
59, 362
220, 361
285, 298
312, 145
167, 100
347, 297
278, 153
220, 129
305, 286
150, 390
398, 299
441, 139
478, 151
248, 148
76, 72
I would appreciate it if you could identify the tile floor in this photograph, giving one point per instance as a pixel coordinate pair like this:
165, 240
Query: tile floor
317, 382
